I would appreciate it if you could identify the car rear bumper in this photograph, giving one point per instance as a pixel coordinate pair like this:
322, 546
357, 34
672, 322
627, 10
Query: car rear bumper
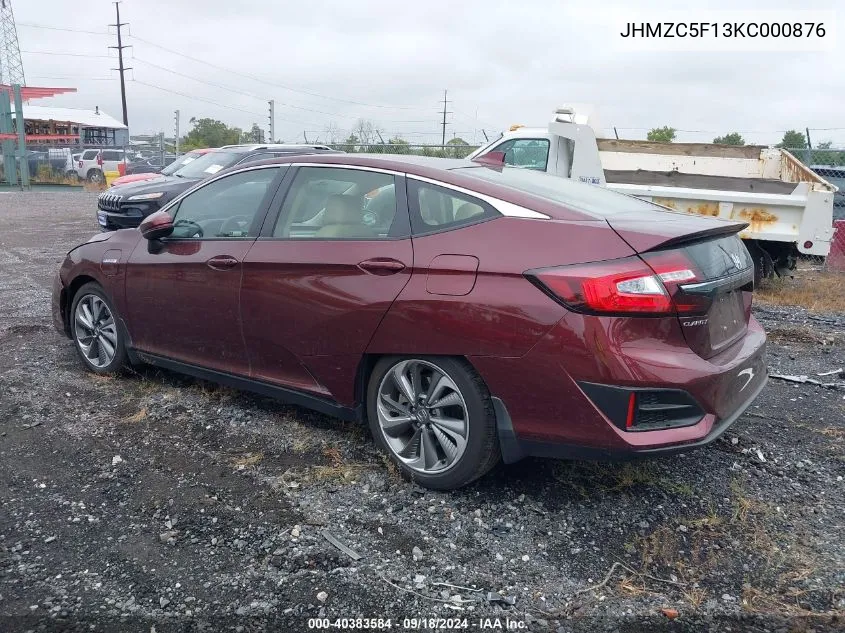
514, 449
542, 410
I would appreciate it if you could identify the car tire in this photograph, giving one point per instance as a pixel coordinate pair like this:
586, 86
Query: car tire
96, 176
96, 331
449, 438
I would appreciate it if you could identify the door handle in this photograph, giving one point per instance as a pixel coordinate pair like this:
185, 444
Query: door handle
382, 266
222, 262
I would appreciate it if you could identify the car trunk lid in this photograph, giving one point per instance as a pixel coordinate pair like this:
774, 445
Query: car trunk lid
714, 306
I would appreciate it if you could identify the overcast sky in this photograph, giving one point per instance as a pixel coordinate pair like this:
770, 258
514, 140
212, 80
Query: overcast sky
502, 63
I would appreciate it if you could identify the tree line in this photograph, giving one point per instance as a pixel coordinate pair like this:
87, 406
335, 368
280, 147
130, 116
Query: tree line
367, 137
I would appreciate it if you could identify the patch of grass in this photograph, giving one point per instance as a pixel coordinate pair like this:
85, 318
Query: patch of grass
632, 474
136, 417
774, 557
695, 596
833, 432
247, 459
337, 473
744, 506
814, 290
390, 466
680, 488
800, 334
333, 454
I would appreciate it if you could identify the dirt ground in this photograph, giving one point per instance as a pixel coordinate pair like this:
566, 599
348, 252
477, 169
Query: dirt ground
154, 502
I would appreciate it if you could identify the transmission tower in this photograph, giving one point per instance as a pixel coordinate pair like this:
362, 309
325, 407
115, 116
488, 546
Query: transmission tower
11, 65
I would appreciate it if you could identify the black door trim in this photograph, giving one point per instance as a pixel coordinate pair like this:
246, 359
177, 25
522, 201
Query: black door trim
292, 396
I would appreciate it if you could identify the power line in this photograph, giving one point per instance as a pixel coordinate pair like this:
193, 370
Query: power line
253, 95
74, 78
274, 84
67, 54
187, 96
56, 28
202, 81
215, 103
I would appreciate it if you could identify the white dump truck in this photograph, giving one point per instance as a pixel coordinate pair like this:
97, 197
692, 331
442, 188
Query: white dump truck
788, 207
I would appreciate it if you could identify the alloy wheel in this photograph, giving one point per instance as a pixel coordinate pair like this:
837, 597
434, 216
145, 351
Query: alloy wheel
423, 416
95, 330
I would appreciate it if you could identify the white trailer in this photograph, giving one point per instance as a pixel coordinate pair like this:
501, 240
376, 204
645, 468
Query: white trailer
788, 207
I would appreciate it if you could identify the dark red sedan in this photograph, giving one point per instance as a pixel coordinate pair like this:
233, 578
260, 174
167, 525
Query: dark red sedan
467, 313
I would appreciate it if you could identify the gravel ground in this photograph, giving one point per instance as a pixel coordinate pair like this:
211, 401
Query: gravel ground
154, 502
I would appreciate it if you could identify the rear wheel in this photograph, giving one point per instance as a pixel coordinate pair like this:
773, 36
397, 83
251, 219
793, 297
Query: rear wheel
96, 176
434, 418
96, 332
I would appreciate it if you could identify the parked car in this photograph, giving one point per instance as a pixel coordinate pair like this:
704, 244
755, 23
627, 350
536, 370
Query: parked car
126, 206
143, 166
57, 161
467, 314
172, 168
94, 162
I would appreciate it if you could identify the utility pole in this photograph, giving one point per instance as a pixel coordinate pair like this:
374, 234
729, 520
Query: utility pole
809, 153
177, 131
443, 139
272, 103
121, 68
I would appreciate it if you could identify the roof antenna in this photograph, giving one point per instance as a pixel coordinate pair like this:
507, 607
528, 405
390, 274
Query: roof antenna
96, 109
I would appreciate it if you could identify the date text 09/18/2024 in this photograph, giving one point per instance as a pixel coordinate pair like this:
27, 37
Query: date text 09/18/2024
419, 624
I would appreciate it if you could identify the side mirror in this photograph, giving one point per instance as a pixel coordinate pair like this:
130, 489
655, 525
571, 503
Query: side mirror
493, 159
157, 226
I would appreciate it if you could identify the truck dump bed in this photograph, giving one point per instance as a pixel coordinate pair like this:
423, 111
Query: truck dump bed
782, 200
748, 168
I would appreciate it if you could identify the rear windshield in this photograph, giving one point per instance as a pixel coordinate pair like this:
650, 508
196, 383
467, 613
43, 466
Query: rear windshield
591, 199
720, 257
209, 164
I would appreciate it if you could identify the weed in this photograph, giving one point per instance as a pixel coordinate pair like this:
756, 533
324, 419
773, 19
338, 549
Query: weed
816, 291
136, 417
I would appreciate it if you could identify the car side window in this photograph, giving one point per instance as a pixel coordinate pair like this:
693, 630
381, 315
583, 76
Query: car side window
89, 154
111, 155
333, 203
436, 208
224, 208
528, 153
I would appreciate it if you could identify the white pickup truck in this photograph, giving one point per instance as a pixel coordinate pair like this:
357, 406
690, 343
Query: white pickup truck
788, 207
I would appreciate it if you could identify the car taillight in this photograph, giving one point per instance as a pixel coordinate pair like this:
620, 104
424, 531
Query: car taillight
649, 286
675, 269
80, 164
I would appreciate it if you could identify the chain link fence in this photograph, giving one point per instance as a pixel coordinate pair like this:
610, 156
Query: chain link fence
829, 164
89, 164
450, 150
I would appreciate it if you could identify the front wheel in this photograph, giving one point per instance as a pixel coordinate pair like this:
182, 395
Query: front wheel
434, 417
96, 332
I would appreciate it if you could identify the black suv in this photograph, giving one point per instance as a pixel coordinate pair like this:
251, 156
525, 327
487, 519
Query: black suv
124, 206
